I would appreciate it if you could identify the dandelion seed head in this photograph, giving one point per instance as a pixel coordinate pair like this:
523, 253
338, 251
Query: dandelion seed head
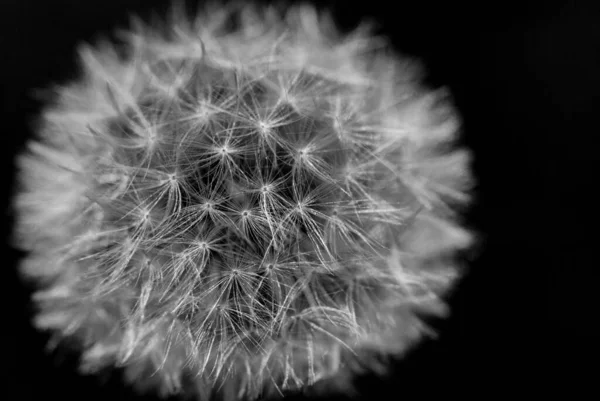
244, 209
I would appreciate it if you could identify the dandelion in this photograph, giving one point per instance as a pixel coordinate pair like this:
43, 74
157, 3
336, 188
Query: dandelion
242, 208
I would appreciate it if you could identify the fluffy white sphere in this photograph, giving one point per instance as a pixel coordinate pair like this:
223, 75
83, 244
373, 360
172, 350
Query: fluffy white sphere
246, 207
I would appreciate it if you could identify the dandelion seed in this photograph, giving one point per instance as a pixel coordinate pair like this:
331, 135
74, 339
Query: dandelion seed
243, 209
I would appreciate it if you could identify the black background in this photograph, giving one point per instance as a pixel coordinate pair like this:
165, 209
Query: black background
523, 76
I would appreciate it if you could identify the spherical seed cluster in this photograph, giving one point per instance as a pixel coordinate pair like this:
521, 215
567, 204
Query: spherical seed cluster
246, 207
